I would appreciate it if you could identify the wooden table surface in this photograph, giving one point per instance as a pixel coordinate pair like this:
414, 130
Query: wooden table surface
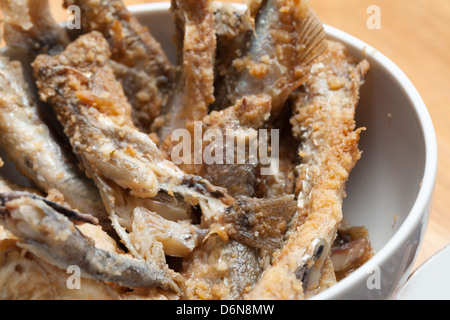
415, 34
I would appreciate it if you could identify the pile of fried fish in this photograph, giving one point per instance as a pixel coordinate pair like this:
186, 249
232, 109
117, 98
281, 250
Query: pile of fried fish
88, 121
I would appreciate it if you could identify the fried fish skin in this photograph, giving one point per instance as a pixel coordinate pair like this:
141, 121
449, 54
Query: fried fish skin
324, 118
35, 150
194, 89
138, 60
125, 164
240, 122
231, 27
287, 37
90, 103
226, 270
24, 276
30, 26
54, 238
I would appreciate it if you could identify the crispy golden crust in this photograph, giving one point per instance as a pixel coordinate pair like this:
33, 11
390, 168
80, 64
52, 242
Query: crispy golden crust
245, 118
277, 57
324, 119
125, 164
226, 242
90, 104
194, 90
24, 276
30, 26
35, 150
139, 61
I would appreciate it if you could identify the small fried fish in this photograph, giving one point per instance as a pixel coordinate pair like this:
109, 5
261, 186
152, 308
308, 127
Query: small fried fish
29, 26
54, 238
288, 37
138, 60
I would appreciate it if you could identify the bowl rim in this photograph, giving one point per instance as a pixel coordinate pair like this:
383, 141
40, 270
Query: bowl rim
425, 194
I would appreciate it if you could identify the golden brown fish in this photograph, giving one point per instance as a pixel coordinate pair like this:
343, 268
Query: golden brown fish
50, 235
125, 164
136, 182
35, 150
194, 90
138, 60
287, 37
324, 120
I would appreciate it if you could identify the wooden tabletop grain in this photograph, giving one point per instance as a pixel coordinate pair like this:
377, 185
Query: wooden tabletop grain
415, 34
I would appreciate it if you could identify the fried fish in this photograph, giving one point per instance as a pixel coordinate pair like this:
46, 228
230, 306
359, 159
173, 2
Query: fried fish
138, 60
324, 120
36, 151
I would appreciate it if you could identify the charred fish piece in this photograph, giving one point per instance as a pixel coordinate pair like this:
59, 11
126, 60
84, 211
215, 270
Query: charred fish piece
324, 113
138, 60
194, 90
288, 37
29, 26
51, 236
36, 151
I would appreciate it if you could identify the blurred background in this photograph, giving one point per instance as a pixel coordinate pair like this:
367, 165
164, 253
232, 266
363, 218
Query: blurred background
414, 34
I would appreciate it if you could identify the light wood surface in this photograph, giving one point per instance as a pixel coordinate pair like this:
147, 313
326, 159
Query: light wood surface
415, 34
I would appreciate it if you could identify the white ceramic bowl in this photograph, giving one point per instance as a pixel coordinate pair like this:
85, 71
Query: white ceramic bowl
391, 188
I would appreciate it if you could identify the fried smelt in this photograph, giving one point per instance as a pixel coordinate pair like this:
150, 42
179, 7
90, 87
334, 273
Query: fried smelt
239, 124
30, 26
35, 151
194, 89
138, 59
51, 236
351, 249
324, 119
231, 27
220, 269
125, 164
287, 37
